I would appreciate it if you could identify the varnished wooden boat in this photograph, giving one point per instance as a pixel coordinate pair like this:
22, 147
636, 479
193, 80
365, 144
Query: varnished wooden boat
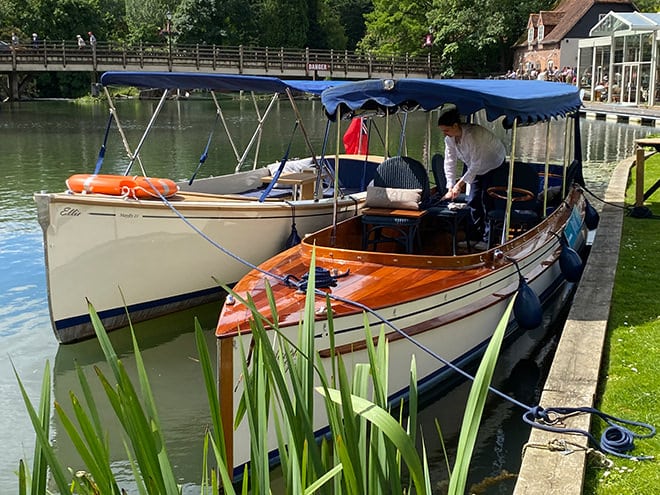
432, 303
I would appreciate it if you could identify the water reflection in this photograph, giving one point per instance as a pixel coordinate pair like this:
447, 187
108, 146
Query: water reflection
170, 356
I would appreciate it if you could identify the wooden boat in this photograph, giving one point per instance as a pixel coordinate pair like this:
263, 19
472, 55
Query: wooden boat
116, 240
447, 304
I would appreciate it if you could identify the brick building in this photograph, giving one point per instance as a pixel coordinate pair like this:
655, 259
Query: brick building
552, 37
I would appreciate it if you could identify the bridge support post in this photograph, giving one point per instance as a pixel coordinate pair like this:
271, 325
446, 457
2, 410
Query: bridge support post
14, 94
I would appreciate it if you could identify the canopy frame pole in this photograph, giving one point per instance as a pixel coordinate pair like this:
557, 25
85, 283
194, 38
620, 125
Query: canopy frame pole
308, 143
333, 233
166, 93
387, 132
509, 189
257, 132
402, 140
255, 161
218, 111
566, 156
113, 111
427, 143
546, 170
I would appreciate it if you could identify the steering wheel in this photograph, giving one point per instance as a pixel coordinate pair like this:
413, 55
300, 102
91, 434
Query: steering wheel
517, 193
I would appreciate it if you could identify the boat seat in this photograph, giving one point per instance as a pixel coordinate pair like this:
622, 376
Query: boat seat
395, 224
354, 175
525, 207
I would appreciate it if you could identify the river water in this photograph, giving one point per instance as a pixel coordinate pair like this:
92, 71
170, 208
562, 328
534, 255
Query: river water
43, 143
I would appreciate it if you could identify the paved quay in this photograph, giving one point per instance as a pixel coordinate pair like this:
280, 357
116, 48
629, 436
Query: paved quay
573, 376
622, 112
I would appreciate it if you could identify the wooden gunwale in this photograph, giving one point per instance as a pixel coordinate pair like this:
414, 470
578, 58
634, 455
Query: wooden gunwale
532, 248
200, 201
447, 318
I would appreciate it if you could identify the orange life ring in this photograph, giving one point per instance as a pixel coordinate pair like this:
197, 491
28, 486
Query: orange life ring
122, 185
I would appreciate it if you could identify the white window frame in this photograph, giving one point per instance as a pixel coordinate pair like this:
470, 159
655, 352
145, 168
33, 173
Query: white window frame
530, 35
541, 32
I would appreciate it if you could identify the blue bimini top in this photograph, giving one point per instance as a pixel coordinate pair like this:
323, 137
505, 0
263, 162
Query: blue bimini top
525, 101
214, 82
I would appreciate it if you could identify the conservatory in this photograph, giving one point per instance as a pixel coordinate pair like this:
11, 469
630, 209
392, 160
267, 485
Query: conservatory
618, 63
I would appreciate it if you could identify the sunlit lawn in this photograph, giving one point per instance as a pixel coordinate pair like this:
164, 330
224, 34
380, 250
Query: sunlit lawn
630, 377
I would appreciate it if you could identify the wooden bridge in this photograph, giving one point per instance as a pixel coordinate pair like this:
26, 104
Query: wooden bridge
20, 63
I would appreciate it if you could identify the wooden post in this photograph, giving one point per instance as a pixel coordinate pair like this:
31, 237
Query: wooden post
225, 356
639, 177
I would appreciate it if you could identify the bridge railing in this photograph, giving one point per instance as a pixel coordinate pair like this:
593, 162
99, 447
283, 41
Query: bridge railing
67, 55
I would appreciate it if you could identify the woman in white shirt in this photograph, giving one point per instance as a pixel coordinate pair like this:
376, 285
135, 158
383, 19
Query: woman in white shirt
482, 153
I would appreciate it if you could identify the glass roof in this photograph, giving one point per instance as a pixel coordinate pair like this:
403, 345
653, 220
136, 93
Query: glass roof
626, 21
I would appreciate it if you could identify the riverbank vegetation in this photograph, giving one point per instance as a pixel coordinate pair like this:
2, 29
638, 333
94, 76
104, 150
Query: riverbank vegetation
466, 37
368, 450
631, 370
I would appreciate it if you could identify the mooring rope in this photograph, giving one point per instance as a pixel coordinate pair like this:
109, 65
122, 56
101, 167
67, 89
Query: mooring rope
616, 439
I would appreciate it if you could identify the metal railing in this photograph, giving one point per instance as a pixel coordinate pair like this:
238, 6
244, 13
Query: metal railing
64, 55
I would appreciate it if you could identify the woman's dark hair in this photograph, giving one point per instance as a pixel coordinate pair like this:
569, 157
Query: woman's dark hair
450, 117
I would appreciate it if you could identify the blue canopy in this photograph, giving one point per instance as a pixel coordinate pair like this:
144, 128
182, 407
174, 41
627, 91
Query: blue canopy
527, 101
212, 81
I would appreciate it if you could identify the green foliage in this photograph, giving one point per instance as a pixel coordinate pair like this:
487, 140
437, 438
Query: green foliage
396, 26
370, 448
145, 19
351, 15
198, 21
475, 406
648, 5
284, 23
476, 37
239, 21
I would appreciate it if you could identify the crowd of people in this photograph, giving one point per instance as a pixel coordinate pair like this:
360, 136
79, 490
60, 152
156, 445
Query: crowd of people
565, 74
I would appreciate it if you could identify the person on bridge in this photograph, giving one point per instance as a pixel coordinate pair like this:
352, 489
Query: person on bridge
92, 40
81, 41
35, 41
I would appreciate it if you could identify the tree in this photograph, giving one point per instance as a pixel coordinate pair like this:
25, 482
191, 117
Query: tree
648, 5
284, 23
239, 21
334, 34
395, 26
198, 21
145, 20
476, 37
352, 18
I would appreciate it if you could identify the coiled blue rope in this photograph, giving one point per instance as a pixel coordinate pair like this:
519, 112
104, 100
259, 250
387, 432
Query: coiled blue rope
323, 279
617, 439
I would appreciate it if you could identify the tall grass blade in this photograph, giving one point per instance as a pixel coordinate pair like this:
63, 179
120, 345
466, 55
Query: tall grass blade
211, 392
42, 445
392, 430
91, 404
22, 478
143, 430
475, 406
95, 457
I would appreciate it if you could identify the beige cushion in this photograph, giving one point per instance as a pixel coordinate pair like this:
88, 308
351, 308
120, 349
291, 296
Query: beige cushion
389, 197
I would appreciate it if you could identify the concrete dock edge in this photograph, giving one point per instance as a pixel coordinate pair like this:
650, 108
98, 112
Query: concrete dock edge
573, 376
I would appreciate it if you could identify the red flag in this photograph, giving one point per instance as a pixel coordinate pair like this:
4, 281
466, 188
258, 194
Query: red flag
356, 140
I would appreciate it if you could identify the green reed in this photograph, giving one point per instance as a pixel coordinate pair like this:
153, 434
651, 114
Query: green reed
368, 450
